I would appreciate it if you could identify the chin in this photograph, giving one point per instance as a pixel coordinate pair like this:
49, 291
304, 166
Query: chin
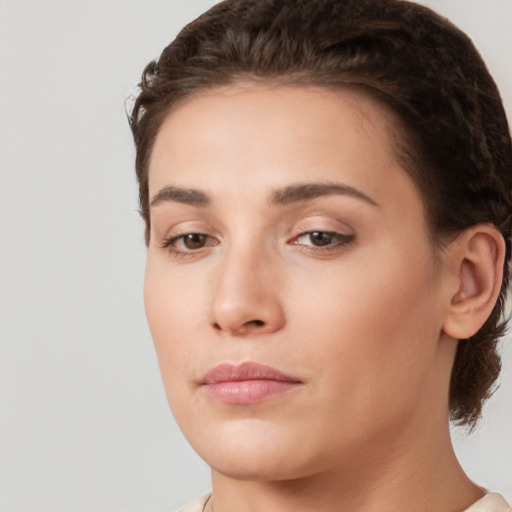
257, 467
256, 450
252, 450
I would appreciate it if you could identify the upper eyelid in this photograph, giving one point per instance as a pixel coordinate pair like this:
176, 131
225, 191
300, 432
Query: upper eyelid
325, 221
184, 227
335, 234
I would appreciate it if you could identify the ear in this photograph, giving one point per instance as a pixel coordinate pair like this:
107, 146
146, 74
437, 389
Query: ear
477, 257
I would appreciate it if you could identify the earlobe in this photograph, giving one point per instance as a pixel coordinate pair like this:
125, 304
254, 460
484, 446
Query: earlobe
477, 256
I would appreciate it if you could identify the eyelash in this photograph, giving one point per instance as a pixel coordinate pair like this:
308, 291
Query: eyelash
338, 242
169, 244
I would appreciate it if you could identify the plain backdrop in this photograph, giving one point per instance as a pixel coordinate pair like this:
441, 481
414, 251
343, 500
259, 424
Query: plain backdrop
84, 423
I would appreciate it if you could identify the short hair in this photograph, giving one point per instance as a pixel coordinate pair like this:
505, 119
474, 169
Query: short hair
454, 143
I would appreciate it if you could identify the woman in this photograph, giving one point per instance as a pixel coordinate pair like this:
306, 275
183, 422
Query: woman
326, 187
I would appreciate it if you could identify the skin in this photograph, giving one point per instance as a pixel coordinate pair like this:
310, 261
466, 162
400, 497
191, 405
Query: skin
360, 321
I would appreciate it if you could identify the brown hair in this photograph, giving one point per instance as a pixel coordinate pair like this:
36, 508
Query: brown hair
455, 143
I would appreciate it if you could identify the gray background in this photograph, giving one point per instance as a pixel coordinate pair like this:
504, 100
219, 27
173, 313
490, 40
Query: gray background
84, 424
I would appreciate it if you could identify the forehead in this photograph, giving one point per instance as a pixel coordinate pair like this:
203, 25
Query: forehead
266, 100
273, 126
248, 140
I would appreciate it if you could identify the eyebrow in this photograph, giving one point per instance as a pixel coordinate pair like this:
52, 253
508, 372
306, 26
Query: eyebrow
180, 195
307, 191
283, 196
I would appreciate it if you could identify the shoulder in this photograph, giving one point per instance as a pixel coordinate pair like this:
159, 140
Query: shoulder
197, 505
491, 502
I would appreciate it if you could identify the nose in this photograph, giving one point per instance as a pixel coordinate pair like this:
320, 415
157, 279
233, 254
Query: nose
246, 298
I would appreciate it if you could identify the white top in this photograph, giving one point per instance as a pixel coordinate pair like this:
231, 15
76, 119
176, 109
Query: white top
491, 502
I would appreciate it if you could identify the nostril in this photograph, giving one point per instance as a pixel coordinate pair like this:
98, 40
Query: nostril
245, 327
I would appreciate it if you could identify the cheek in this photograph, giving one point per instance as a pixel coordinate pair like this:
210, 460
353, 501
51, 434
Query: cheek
379, 291
372, 330
173, 313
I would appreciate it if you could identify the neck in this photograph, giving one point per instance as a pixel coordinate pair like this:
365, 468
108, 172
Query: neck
414, 470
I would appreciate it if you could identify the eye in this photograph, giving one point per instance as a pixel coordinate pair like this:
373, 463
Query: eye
189, 243
322, 239
319, 238
194, 240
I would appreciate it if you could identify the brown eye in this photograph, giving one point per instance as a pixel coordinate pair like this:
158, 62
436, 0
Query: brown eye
194, 240
188, 243
322, 238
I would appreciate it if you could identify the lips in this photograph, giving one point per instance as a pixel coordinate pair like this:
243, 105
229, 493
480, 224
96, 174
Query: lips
247, 383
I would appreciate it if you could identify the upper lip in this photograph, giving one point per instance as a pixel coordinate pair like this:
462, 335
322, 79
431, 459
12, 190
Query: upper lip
245, 371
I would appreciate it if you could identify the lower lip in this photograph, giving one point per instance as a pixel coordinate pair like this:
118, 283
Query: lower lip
246, 392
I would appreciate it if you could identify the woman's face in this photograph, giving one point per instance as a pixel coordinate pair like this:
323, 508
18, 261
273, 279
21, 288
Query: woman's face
291, 289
